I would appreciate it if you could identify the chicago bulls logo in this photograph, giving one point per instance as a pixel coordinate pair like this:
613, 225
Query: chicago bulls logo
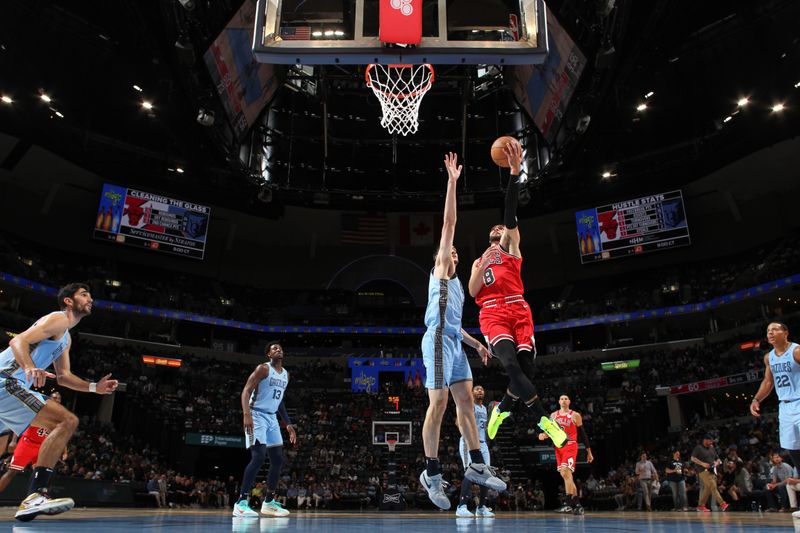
404, 6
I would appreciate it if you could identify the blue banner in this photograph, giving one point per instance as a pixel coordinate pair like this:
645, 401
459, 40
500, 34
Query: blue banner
611, 318
365, 371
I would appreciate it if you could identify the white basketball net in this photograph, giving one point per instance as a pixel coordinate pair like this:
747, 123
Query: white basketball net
400, 89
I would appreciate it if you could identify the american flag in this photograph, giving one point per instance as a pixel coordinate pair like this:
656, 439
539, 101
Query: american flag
296, 33
364, 229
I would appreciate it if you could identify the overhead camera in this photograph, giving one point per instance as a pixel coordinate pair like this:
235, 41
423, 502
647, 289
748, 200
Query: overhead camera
188, 5
205, 117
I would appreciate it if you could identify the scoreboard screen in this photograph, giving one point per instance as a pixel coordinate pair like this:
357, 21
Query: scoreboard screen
152, 221
631, 227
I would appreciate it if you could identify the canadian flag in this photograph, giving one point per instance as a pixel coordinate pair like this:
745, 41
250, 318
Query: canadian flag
419, 229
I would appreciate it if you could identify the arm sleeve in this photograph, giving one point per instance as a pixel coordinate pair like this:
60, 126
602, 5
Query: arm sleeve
284, 414
512, 197
583, 436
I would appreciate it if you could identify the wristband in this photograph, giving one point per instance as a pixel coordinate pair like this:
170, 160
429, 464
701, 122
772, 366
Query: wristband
92, 387
756, 400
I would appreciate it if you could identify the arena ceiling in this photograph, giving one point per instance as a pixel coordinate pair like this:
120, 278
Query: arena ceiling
697, 58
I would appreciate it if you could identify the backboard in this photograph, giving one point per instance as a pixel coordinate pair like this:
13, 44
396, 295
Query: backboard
383, 430
454, 32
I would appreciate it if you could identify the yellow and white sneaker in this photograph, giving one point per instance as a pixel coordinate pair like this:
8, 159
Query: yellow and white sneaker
36, 504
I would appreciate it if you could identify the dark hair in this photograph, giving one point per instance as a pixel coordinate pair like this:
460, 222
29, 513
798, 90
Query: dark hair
783, 326
68, 291
270, 344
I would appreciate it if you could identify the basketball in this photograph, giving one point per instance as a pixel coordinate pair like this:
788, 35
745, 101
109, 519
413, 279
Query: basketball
498, 155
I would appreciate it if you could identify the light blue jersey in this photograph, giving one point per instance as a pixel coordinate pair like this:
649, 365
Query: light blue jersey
18, 404
43, 354
268, 394
482, 418
444, 359
445, 305
264, 403
786, 374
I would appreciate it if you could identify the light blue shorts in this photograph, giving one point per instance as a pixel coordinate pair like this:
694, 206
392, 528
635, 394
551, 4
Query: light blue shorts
789, 424
18, 405
465, 459
266, 430
445, 361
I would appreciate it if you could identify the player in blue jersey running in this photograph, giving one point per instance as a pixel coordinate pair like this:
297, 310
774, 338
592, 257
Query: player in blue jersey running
446, 364
24, 365
262, 400
481, 418
782, 373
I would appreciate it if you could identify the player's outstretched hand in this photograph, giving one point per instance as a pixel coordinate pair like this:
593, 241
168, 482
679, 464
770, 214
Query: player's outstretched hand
513, 151
452, 166
107, 385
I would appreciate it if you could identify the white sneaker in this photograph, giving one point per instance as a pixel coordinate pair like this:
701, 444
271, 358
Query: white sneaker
484, 475
435, 487
463, 512
36, 504
273, 508
796, 514
485, 512
242, 509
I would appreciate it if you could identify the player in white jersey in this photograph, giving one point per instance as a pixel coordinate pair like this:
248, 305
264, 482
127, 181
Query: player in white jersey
481, 417
24, 365
782, 373
262, 400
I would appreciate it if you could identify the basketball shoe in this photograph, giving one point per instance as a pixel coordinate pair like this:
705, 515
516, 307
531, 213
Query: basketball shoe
273, 508
435, 487
463, 512
484, 512
484, 475
242, 509
495, 419
554, 431
39, 503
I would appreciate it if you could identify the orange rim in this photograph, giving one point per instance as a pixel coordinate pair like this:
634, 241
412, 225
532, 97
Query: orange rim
401, 95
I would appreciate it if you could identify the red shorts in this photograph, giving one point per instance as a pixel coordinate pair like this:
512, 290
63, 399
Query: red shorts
25, 453
512, 321
567, 456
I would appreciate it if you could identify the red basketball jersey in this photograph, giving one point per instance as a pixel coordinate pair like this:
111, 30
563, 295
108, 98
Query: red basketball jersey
566, 422
502, 277
35, 435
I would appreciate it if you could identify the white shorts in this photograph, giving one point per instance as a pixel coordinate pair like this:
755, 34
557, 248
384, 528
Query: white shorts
266, 430
465, 458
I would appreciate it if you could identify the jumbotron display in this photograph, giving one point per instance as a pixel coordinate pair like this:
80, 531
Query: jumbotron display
152, 221
630, 227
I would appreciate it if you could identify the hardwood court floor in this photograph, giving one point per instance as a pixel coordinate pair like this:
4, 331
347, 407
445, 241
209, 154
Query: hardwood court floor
202, 521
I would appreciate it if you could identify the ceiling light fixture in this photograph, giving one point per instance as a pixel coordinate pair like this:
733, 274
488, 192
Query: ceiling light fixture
606, 174
147, 105
641, 107
727, 119
777, 108
137, 88
743, 102
179, 170
59, 114
45, 98
650, 94
7, 99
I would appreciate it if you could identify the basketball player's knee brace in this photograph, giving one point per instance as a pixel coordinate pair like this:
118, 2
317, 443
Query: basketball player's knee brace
519, 384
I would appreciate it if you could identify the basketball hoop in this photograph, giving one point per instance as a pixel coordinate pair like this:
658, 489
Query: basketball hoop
400, 89
391, 443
